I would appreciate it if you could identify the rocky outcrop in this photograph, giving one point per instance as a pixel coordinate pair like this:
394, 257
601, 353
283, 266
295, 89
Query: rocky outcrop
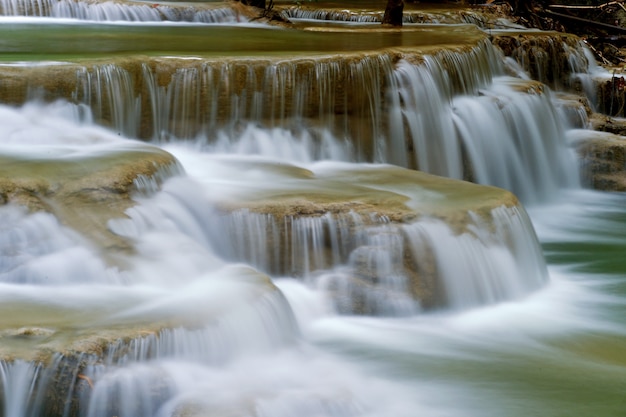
337, 84
363, 219
55, 370
100, 184
602, 155
121, 10
549, 57
355, 217
487, 17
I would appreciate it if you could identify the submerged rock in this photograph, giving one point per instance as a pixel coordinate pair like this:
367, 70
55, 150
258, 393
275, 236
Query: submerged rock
83, 190
602, 158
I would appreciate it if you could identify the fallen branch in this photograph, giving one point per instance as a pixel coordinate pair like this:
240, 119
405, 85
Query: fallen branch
598, 54
600, 6
599, 25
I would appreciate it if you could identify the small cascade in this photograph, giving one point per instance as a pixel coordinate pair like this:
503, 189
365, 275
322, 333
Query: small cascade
582, 73
266, 323
376, 279
105, 11
332, 15
310, 247
409, 16
588, 77
532, 157
126, 375
116, 11
481, 267
112, 11
35, 249
260, 385
110, 92
18, 380
26, 7
371, 266
361, 107
573, 113
305, 101
561, 62
369, 250
136, 390
518, 143
295, 245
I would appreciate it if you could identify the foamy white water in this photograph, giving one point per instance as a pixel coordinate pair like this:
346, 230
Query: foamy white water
231, 324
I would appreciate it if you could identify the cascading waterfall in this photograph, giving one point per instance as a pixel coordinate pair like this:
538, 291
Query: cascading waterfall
360, 259
587, 72
312, 247
261, 323
504, 137
298, 244
112, 11
409, 17
533, 158
111, 90
36, 249
18, 379
299, 110
231, 102
135, 379
486, 267
507, 258
209, 302
332, 15
562, 64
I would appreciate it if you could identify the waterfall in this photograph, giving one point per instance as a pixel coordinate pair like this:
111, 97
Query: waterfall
229, 101
472, 268
565, 63
37, 249
267, 108
110, 91
276, 221
112, 11
409, 16
367, 263
505, 137
295, 245
532, 158
333, 15
298, 109
478, 267
18, 379
162, 371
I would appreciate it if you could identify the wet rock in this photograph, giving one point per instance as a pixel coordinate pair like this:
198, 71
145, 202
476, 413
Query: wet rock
62, 369
357, 218
548, 57
602, 158
611, 96
69, 187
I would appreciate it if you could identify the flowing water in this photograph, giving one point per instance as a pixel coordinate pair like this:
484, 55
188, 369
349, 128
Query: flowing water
189, 301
